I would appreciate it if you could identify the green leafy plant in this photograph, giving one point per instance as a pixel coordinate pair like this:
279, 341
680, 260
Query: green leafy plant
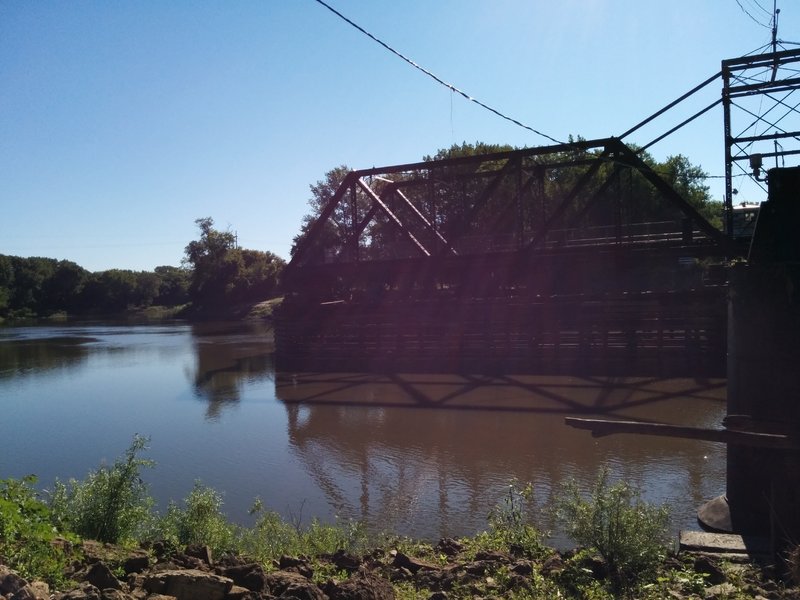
200, 521
271, 536
627, 532
27, 533
111, 504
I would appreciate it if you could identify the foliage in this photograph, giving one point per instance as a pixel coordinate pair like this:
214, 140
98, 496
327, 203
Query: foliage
34, 286
222, 273
111, 504
27, 534
272, 536
512, 521
628, 533
201, 521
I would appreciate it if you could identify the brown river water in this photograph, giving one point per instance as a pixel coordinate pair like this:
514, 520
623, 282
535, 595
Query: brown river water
418, 454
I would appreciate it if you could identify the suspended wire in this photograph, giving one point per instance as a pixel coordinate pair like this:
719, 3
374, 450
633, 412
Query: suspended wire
745, 11
450, 86
758, 4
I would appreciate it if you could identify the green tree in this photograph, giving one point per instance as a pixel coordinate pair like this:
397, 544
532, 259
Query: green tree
6, 282
174, 285
223, 273
63, 288
213, 265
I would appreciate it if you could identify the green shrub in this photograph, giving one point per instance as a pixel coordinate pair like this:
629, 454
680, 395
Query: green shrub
628, 533
200, 521
111, 504
27, 533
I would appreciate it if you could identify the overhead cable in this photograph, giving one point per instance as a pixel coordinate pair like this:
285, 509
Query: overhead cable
450, 86
744, 10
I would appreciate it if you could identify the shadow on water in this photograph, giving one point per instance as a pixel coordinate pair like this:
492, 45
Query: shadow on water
377, 434
521, 393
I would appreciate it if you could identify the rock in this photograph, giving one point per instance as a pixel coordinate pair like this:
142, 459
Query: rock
136, 562
202, 553
553, 565
449, 547
184, 561
287, 584
101, 577
345, 561
112, 594
522, 567
10, 581
296, 565
404, 561
250, 576
362, 587
491, 556
36, 590
86, 591
189, 584
707, 566
723, 590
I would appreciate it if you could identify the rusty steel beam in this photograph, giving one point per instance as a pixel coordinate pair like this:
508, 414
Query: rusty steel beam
392, 217
428, 225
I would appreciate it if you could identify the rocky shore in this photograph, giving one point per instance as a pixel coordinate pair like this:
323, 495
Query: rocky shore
107, 572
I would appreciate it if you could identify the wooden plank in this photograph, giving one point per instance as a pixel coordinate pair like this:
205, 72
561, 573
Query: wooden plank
601, 427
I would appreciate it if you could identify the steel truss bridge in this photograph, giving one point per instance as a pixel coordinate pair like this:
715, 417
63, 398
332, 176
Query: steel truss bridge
573, 250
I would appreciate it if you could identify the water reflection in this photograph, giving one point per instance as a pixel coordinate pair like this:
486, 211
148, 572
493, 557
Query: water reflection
378, 453
23, 356
228, 357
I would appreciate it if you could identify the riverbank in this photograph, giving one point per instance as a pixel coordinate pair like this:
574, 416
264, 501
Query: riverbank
249, 311
452, 569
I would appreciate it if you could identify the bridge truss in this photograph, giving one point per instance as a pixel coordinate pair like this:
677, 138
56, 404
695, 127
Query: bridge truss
499, 219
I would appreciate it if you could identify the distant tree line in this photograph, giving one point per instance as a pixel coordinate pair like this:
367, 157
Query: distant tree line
215, 272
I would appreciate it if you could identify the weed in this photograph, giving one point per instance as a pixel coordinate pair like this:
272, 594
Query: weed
512, 522
200, 521
111, 504
628, 533
272, 537
27, 533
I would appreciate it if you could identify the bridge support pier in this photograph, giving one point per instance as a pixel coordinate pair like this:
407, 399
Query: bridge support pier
763, 484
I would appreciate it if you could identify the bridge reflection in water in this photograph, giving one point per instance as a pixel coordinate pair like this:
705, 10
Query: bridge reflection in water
429, 455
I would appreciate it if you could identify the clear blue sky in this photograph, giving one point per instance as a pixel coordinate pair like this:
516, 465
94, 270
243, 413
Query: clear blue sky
123, 122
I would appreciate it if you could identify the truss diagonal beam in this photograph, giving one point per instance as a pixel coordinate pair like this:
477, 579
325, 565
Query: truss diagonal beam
558, 213
428, 225
632, 159
392, 217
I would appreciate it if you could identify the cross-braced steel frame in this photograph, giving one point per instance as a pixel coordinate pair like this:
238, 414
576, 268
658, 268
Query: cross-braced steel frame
761, 117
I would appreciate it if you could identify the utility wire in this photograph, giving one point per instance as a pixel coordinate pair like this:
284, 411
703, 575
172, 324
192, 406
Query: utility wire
744, 10
450, 86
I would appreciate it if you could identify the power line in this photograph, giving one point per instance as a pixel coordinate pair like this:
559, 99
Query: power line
745, 11
450, 86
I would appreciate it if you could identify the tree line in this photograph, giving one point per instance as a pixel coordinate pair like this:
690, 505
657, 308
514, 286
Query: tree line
215, 272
